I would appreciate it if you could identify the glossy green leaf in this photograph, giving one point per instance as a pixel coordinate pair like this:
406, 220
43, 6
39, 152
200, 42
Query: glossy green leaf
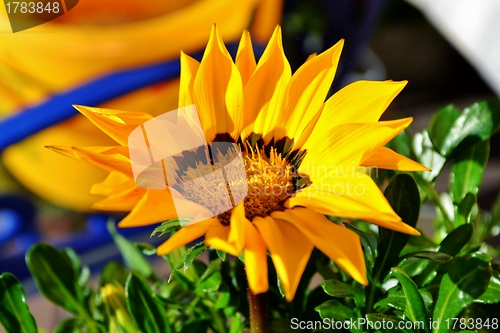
237, 324
467, 171
437, 257
337, 288
464, 209
494, 225
415, 308
333, 309
221, 254
478, 122
81, 271
79, 325
396, 298
223, 298
210, 284
466, 280
148, 315
428, 156
402, 193
442, 123
492, 294
169, 226
72, 325
113, 272
380, 321
451, 245
55, 277
186, 259
131, 255
15, 315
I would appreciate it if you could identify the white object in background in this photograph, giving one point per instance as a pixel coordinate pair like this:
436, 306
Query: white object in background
473, 27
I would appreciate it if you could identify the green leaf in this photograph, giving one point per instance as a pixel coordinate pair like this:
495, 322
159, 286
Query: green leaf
148, 315
78, 325
113, 272
131, 255
169, 226
221, 254
467, 171
376, 320
466, 280
55, 277
333, 309
428, 156
464, 209
81, 271
15, 315
451, 245
337, 288
402, 193
237, 324
442, 123
209, 284
145, 248
415, 308
186, 259
437, 257
396, 298
478, 122
492, 294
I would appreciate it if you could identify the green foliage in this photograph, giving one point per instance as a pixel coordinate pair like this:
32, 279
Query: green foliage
14, 313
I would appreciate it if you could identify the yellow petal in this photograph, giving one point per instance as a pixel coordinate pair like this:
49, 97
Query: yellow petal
237, 223
158, 206
303, 136
267, 17
350, 144
361, 101
265, 91
338, 243
245, 58
308, 89
106, 158
344, 192
117, 124
386, 158
218, 238
186, 235
123, 201
218, 90
289, 249
255, 255
114, 182
189, 68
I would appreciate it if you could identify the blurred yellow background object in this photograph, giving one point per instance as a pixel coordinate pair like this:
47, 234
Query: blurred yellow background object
96, 38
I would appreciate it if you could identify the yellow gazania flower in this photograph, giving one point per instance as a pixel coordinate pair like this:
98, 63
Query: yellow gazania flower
299, 151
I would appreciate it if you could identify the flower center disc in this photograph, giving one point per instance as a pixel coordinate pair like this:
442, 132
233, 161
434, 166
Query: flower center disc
267, 182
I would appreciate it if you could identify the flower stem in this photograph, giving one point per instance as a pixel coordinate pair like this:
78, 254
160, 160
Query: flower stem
259, 322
